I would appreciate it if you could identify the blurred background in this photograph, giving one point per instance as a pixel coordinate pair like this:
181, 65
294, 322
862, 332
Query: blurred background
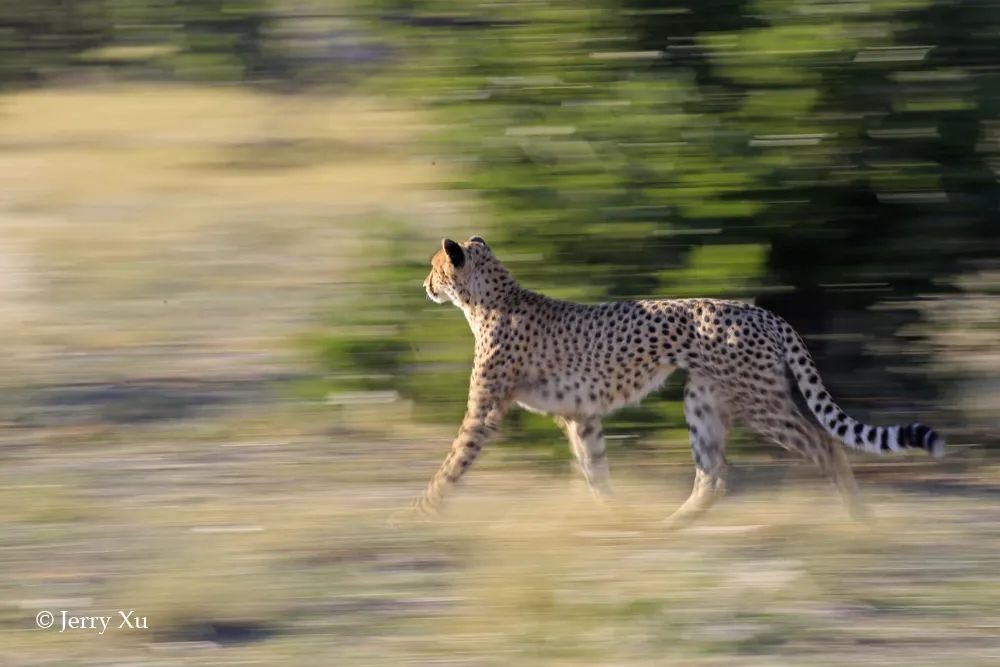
220, 373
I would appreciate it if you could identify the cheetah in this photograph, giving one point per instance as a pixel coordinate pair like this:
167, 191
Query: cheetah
578, 363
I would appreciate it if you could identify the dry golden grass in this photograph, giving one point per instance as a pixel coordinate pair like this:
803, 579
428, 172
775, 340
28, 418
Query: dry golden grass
106, 146
184, 217
236, 555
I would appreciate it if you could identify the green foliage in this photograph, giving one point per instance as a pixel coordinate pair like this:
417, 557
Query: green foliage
785, 150
388, 337
39, 37
717, 270
220, 40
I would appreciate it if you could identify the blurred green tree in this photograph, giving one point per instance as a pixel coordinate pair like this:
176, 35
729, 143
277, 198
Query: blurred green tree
823, 158
39, 37
208, 40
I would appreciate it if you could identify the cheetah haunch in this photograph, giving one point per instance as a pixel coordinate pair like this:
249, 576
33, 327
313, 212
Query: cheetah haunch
580, 362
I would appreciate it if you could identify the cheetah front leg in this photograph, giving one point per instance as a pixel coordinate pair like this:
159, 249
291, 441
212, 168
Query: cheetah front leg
481, 423
586, 439
708, 417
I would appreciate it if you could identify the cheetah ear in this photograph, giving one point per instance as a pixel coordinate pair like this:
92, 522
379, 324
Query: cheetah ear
479, 239
455, 253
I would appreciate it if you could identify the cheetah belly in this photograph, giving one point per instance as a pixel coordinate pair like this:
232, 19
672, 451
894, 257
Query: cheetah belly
545, 401
560, 397
630, 395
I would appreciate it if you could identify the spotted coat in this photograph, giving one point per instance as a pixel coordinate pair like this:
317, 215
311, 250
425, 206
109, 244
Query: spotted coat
580, 362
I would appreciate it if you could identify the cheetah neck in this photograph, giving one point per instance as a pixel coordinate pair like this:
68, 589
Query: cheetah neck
483, 312
486, 294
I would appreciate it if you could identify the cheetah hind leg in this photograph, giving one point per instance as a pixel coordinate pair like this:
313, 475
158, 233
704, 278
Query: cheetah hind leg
787, 427
708, 425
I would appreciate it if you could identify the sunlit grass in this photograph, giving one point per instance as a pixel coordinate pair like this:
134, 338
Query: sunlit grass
148, 215
526, 568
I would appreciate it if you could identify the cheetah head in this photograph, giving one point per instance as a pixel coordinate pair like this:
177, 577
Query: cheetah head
457, 271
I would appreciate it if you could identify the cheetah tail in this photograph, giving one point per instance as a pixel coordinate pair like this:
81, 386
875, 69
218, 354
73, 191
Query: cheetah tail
854, 434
